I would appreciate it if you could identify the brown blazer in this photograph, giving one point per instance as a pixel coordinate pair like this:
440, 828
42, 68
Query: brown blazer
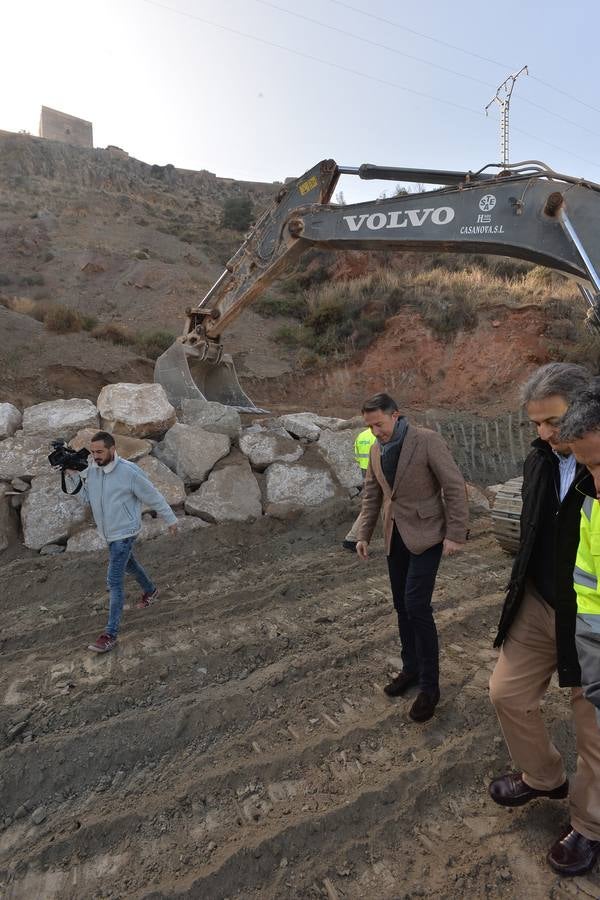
428, 501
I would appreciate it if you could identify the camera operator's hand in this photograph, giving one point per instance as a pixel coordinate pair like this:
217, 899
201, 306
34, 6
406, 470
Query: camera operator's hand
173, 529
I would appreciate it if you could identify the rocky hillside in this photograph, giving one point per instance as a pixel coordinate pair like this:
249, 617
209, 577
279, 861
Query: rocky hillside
126, 245
101, 254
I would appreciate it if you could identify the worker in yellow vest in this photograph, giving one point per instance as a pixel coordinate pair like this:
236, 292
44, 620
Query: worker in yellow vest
362, 451
579, 848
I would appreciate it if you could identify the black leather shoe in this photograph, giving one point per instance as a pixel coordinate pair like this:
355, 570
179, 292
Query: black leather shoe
350, 545
511, 790
573, 854
424, 706
400, 683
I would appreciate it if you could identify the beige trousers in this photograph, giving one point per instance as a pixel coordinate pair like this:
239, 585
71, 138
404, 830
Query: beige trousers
519, 681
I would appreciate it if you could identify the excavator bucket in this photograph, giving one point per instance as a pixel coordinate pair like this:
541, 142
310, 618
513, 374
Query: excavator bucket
217, 382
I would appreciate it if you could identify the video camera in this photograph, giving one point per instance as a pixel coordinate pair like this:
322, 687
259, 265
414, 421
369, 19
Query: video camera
63, 457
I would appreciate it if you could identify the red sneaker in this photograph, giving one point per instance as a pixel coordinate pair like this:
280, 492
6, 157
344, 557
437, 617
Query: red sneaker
147, 599
104, 643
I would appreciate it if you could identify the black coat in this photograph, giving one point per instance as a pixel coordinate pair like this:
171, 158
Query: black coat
540, 474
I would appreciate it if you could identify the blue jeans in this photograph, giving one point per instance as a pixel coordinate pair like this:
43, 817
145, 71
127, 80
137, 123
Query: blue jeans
412, 577
122, 560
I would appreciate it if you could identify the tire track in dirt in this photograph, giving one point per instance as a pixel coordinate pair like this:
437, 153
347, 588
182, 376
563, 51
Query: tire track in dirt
238, 742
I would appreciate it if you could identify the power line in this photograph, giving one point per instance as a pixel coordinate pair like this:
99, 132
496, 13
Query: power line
365, 40
566, 94
351, 71
536, 137
420, 59
428, 37
325, 62
442, 43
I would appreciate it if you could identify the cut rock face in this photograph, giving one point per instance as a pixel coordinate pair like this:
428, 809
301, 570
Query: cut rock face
48, 515
191, 452
138, 410
212, 417
231, 494
10, 420
298, 485
264, 448
60, 418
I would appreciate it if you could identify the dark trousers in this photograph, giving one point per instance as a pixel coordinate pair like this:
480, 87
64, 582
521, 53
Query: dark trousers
412, 576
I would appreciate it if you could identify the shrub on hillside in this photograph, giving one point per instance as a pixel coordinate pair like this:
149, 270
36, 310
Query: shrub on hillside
292, 305
448, 315
31, 280
154, 343
237, 213
62, 320
88, 323
290, 336
116, 334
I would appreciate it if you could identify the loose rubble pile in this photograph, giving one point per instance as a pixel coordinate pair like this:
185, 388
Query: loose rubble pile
208, 465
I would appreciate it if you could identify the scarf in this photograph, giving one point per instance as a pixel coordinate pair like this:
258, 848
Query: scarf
390, 452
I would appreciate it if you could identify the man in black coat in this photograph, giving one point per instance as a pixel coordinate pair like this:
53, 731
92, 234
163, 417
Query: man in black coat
536, 633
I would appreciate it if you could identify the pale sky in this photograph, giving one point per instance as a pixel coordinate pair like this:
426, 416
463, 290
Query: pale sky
243, 87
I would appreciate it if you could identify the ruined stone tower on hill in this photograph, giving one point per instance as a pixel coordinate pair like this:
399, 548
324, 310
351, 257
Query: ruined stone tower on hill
59, 126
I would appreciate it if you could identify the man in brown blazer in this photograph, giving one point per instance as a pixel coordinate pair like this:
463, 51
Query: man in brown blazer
425, 514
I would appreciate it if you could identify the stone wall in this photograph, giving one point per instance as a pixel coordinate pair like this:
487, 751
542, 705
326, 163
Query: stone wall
487, 451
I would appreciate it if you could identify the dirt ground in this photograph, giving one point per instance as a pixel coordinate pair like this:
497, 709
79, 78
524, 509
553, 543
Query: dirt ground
238, 743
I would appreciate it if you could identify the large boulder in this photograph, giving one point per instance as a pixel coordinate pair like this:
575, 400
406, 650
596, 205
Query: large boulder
169, 484
332, 423
300, 425
127, 447
298, 485
24, 455
48, 515
212, 417
10, 420
337, 449
264, 448
8, 519
60, 418
88, 539
231, 494
192, 452
308, 425
139, 410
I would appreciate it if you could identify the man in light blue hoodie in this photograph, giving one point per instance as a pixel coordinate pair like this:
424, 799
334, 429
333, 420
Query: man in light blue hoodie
117, 490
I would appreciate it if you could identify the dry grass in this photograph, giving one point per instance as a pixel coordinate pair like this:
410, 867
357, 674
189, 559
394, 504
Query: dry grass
341, 317
114, 333
62, 320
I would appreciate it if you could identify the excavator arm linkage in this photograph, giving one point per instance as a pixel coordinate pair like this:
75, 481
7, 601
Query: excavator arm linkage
525, 211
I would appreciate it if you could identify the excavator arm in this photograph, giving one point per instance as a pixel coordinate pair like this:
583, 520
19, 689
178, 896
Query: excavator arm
526, 211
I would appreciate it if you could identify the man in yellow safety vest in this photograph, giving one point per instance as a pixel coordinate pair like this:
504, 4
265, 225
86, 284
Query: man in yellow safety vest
578, 849
362, 449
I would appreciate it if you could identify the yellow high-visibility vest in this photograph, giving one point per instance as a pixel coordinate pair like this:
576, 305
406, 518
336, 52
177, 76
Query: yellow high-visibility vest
587, 624
362, 448
587, 563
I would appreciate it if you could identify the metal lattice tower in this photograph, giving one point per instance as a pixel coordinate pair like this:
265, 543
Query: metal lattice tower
502, 98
